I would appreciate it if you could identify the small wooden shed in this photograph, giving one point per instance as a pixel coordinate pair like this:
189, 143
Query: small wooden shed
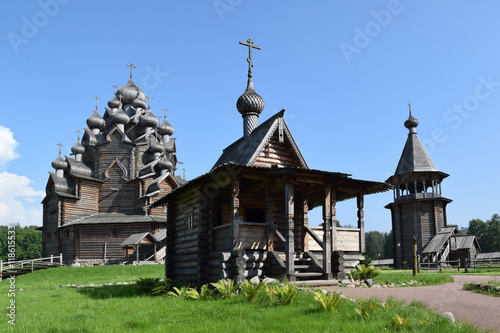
143, 244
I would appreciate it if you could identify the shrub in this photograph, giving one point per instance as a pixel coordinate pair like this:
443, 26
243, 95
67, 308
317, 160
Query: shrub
400, 322
269, 289
363, 272
205, 292
162, 287
250, 291
285, 294
366, 308
146, 285
225, 287
328, 302
184, 293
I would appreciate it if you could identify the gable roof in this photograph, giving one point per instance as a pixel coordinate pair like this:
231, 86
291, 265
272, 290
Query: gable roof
112, 218
437, 242
465, 242
135, 239
246, 150
414, 157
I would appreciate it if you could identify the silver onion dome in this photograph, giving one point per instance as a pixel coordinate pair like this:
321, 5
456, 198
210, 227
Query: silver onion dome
96, 121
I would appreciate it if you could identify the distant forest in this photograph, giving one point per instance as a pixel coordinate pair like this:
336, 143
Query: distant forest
379, 244
28, 242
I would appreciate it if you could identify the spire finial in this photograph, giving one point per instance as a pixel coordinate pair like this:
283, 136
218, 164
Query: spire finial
149, 98
97, 99
116, 87
78, 131
165, 109
250, 45
131, 65
60, 145
409, 107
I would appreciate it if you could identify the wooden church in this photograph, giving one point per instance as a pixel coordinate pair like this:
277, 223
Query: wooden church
96, 199
248, 216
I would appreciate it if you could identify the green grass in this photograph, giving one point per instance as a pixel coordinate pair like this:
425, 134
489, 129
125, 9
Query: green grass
424, 278
44, 306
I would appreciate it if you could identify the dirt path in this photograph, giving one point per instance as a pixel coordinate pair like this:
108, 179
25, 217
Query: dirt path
483, 311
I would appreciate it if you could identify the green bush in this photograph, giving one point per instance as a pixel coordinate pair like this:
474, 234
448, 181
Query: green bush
250, 291
363, 272
146, 285
184, 293
285, 294
205, 292
328, 302
163, 287
366, 307
226, 287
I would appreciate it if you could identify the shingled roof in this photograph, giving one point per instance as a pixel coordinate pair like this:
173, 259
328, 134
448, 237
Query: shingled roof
246, 150
414, 157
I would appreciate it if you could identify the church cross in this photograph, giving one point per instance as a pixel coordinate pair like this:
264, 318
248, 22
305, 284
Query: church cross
116, 87
97, 99
165, 113
78, 131
60, 145
250, 45
184, 173
131, 65
159, 119
149, 98
409, 107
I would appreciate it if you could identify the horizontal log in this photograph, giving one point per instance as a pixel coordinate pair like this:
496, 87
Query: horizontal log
254, 265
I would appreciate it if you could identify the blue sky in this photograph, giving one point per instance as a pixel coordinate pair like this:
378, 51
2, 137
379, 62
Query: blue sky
344, 71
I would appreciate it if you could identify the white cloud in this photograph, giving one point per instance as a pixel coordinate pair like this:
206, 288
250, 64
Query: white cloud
7, 146
19, 203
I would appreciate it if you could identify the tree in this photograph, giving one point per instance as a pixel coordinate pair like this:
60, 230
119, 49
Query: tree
28, 242
374, 241
388, 245
487, 233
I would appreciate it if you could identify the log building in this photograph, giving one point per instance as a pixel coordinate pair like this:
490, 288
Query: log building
96, 200
248, 216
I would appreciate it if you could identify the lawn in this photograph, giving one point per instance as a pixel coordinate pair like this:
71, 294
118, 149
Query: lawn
44, 306
423, 278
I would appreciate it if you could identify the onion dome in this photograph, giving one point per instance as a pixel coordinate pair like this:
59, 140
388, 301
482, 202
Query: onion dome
114, 102
96, 121
148, 119
165, 128
165, 163
411, 122
120, 117
169, 149
250, 101
129, 92
156, 147
139, 103
59, 163
78, 148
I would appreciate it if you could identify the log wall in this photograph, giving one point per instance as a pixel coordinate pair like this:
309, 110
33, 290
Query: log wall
278, 153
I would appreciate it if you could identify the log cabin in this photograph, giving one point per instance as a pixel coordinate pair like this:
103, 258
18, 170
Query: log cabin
96, 200
248, 216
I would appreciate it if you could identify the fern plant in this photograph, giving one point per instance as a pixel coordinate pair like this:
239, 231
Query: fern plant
250, 291
285, 294
226, 287
162, 287
146, 285
269, 289
184, 293
328, 302
400, 322
366, 308
205, 292
363, 272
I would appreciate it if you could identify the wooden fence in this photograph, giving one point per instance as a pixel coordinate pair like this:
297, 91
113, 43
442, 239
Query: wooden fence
19, 267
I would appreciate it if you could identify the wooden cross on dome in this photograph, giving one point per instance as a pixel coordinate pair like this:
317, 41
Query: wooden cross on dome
409, 107
97, 99
250, 45
131, 65
165, 113
78, 131
60, 145
116, 87
149, 98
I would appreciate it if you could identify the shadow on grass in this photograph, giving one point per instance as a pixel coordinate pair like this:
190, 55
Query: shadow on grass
115, 291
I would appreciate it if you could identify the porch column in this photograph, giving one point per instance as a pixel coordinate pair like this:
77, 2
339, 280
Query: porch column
334, 219
235, 213
327, 235
269, 219
361, 222
290, 243
305, 236
425, 189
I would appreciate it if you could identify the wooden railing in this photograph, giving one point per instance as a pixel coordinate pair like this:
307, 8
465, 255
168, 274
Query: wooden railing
314, 236
30, 265
276, 232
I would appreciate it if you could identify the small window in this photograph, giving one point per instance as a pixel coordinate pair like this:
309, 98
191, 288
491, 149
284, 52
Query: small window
190, 222
47, 237
67, 233
256, 215
115, 233
114, 209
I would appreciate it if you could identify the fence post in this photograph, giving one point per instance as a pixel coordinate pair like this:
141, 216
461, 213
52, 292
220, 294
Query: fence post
1, 270
60, 259
51, 259
490, 262
465, 264
32, 266
458, 264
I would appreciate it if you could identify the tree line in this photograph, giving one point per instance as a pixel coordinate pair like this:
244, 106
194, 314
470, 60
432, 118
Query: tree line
27, 242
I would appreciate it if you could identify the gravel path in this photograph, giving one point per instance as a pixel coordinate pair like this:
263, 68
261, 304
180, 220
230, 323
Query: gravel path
482, 311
